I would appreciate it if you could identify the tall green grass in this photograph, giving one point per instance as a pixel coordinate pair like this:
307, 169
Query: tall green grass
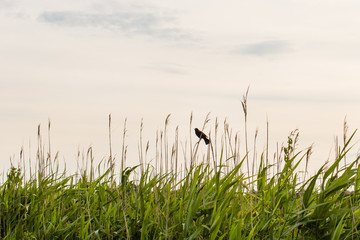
212, 197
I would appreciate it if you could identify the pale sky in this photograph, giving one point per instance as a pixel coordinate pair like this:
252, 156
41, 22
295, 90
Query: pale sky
77, 61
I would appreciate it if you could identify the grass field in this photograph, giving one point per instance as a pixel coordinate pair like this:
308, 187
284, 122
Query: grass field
212, 197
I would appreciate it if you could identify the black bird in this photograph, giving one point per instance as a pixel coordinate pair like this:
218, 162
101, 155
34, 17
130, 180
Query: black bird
202, 135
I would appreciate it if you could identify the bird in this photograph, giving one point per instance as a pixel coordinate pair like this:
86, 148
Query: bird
202, 135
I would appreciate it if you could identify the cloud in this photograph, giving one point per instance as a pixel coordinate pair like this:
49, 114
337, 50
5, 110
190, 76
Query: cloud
263, 48
130, 22
168, 68
5, 4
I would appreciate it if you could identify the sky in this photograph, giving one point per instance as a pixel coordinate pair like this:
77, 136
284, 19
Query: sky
75, 62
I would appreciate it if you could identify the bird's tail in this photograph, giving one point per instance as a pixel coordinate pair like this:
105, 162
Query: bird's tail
207, 141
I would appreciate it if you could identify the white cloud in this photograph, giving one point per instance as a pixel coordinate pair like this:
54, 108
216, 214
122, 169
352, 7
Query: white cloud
167, 68
5, 4
264, 48
130, 22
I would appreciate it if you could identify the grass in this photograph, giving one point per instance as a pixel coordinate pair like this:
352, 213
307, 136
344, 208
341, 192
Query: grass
213, 199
